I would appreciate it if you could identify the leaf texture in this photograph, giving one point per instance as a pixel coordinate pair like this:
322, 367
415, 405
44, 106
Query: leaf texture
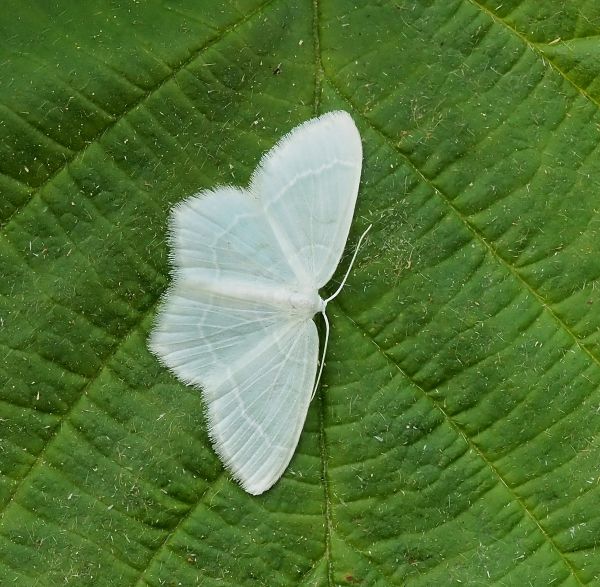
456, 435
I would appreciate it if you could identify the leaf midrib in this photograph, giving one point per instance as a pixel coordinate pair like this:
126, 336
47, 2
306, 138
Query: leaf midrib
327, 510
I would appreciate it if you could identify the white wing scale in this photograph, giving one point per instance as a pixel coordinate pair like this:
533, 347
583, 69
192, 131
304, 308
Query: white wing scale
228, 325
308, 185
258, 410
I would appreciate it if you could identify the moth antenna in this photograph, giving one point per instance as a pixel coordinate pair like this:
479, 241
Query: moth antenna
339, 289
322, 356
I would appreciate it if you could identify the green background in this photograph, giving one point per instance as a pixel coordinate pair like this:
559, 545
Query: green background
456, 436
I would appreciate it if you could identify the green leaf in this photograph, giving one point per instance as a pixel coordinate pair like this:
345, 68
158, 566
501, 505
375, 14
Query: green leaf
456, 436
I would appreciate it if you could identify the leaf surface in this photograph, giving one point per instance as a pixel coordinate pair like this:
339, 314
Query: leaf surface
456, 435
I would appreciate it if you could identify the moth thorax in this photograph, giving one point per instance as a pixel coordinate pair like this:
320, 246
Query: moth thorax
306, 303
